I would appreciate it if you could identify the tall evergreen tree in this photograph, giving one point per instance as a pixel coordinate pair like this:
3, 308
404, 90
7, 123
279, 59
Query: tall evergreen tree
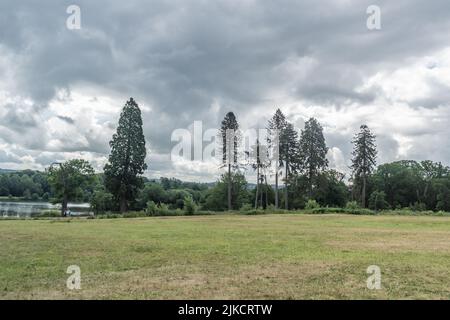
364, 158
230, 142
259, 161
276, 125
289, 148
126, 162
313, 151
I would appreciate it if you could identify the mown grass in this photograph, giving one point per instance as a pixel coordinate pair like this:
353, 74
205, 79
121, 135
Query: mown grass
227, 256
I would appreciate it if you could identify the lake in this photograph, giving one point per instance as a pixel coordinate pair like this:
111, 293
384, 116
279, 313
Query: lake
30, 208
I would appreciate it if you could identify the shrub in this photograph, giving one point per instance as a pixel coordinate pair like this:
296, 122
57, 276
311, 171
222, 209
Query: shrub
189, 206
418, 206
352, 205
312, 204
134, 214
246, 207
377, 201
151, 209
163, 210
342, 210
48, 214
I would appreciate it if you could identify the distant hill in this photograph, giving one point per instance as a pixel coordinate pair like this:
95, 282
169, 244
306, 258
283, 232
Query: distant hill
7, 170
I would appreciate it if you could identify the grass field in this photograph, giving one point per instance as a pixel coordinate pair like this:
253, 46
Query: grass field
227, 256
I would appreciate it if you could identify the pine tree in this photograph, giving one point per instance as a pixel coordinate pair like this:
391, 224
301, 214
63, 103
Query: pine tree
259, 161
230, 142
276, 125
364, 158
289, 148
313, 151
127, 159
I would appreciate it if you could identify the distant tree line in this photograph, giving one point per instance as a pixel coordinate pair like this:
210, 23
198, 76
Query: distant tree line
297, 162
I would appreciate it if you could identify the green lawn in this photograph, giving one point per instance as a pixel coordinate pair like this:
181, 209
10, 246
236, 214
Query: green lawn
227, 256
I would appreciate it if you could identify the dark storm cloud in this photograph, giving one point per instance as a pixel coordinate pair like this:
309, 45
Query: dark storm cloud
182, 57
68, 120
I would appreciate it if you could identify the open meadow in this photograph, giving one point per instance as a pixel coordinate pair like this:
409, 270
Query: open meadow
227, 257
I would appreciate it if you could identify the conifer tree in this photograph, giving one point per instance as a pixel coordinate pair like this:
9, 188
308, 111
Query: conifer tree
364, 158
126, 161
313, 151
230, 142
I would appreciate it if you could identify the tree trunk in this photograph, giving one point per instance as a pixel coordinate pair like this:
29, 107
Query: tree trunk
286, 204
64, 206
267, 188
261, 193
229, 187
276, 188
363, 200
257, 188
123, 204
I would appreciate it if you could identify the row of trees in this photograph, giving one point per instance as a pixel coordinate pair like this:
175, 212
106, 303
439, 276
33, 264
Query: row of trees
301, 161
297, 162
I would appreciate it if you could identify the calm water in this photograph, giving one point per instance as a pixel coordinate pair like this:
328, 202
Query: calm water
29, 208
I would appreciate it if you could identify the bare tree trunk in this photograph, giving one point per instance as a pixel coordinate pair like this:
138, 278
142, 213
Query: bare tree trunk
276, 188
286, 204
229, 186
363, 200
257, 188
123, 204
267, 198
64, 206
261, 193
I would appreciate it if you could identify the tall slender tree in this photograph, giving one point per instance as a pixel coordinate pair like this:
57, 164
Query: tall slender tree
230, 142
313, 151
126, 162
259, 161
276, 125
289, 148
364, 158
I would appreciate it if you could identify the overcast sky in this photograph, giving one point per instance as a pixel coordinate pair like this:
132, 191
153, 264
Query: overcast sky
61, 90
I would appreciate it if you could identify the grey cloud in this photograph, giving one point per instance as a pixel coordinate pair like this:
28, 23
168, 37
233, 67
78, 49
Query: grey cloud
181, 57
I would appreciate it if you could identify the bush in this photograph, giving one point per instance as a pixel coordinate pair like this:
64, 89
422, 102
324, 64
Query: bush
48, 214
151, 209
418, 206
246, 207
134, 214
352, 205
189, 206
312, 204
377, 201
342, 210
163, 210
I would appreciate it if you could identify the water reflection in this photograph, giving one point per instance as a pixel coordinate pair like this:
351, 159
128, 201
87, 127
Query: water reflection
29, 208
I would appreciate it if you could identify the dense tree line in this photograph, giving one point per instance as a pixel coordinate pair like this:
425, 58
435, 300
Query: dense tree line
297, 162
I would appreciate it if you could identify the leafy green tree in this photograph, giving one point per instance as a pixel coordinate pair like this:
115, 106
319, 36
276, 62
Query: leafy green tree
364, 158
216, 198
230, 142
68, 180
189, 206
377, 201
276, 125
443, 198
330, 189
102, 201
126, 162
313, 151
